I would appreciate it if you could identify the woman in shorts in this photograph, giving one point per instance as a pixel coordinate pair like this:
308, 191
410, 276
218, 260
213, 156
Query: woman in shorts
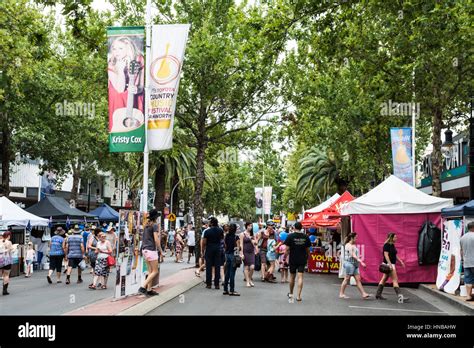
351, 266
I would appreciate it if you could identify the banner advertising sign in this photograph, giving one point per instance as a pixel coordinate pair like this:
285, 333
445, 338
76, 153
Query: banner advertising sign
267, 200
167, 53
126, 89
131, 267
401, 154
320, 262
258, 200
449, 266
48, 184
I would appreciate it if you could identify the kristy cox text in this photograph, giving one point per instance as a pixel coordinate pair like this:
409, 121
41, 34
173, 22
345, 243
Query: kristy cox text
37, 331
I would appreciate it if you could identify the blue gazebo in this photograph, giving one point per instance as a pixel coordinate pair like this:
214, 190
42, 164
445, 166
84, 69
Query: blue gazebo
106, 213
466, 209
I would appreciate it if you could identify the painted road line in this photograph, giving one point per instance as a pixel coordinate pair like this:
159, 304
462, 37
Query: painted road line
396, 309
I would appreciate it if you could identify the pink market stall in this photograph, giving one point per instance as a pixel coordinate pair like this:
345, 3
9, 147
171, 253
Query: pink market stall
394, 206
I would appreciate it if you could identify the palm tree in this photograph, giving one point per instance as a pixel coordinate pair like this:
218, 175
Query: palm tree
319, 174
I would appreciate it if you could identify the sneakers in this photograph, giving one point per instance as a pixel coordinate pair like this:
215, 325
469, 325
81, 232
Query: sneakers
152, 293
49, 279
142, 290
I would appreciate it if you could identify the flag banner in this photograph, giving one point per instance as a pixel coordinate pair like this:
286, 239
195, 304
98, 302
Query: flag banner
167, 53
267, 200
126, 73
258, 200
401, 154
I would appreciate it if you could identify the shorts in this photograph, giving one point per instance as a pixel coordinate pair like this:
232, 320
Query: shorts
170, 245
150, 255
297, 267
6, 267
351, 269
55, 263
263, 257
191, 249
74, 262
469, 275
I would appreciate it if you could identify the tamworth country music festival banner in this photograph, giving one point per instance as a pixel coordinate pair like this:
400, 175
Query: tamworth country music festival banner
167, 53
401, 154
126, 89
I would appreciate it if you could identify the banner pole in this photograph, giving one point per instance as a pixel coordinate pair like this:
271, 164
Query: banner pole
144, 200
413, 120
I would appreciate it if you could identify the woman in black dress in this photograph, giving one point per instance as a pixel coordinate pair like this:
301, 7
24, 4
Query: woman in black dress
390, 257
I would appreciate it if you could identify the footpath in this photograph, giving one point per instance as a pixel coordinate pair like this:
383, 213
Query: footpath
454, 300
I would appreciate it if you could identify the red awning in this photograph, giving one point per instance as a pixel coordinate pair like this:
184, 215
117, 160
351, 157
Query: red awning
330, 216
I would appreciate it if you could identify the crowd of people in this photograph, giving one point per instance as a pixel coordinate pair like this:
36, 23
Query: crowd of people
223, 249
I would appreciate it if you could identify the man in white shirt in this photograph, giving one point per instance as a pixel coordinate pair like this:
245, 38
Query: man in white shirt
191, 241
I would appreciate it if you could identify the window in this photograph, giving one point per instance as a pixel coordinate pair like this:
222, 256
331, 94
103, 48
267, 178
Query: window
17, 189
31, 192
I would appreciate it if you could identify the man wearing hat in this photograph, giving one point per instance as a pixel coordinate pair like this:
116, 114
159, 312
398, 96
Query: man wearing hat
56, 255
74, 249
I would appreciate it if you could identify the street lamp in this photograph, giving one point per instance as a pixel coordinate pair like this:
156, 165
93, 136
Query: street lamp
174, 188
446, 148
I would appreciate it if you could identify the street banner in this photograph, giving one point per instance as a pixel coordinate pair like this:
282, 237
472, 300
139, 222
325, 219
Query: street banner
321, 262
267, 200
131, 268
449, 266
401, 154
48, 184
126, 89
167, 53
258, 200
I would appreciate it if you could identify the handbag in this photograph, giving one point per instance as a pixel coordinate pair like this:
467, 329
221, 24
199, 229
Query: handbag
385, 268
110, 261
82, 265
258, 263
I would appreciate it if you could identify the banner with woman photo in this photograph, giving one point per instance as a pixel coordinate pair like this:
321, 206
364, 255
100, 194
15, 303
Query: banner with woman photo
125, 68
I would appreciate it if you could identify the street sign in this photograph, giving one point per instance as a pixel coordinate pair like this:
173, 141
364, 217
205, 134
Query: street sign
172, 217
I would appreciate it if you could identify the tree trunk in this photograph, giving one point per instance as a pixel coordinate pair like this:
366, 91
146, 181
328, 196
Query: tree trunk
160, 191
198, 205
76, 176
436, 158
6, 151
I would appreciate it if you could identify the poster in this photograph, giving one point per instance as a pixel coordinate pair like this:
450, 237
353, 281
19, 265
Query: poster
258, 200
125, 68
267, 200
401, 154
167, 54
449, 266
321, 262
130, 263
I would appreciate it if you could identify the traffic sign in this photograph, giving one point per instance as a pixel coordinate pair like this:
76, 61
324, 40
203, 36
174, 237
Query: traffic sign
172, 217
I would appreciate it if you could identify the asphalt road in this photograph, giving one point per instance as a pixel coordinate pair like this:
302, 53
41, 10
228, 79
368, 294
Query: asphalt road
320, 297
34, 296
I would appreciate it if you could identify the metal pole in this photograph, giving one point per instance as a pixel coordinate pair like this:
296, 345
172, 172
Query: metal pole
89, 195
263, 198
144, 201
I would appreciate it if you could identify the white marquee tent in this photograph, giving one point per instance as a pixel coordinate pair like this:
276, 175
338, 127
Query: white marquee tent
13, 215
394, 196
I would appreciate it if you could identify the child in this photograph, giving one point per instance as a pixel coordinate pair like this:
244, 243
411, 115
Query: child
30, 258
283, 262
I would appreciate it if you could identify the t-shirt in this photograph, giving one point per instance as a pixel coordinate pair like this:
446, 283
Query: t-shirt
392, 253
56, 246
213, 236
30, 255
191, 238
148, 237
85, 235
74, 243
171, 236
298, 242
230, 242
467, 245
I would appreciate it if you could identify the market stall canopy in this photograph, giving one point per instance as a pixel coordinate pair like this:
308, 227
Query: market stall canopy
311, 212
394, 196
13, 215
59, 209
105, 213
466, 209
330, 216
